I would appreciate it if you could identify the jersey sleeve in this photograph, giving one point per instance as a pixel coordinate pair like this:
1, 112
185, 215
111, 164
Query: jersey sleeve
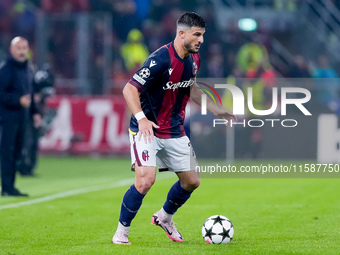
152, 69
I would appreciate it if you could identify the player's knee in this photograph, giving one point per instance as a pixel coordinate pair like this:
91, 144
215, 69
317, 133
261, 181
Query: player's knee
192, 184
195, 183
144, 185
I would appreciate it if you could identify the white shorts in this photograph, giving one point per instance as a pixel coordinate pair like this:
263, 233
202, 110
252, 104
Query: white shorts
174, 154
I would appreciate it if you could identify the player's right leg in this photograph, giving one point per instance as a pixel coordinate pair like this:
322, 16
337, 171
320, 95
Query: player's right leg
144, 158
132, 201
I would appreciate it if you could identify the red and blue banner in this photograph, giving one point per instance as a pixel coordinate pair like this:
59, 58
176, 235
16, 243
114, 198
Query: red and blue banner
87, 125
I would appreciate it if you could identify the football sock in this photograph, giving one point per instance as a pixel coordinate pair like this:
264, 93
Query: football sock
131, 203
165, 216
122, 228
177, 196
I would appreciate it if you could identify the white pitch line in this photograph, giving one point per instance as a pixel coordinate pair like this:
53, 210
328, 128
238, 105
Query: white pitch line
74, 192
69, 193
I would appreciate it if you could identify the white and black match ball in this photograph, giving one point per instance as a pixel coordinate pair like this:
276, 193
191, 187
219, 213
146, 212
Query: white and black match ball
217, 229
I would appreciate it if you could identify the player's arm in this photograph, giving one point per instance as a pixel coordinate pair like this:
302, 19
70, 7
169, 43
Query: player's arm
145, 126
219, 112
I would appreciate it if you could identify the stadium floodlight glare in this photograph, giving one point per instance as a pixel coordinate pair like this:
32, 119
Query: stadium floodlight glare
247, 24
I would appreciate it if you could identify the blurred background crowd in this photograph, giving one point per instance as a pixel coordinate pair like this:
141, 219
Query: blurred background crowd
93, 46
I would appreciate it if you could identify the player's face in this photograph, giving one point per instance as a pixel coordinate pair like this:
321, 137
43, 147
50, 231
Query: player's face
19, 50
194, 39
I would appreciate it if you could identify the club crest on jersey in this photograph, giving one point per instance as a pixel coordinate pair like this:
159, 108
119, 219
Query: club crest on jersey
194, 68
181, 84
145, 155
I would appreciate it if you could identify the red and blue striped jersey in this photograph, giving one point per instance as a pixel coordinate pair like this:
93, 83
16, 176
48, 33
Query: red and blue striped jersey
164, 82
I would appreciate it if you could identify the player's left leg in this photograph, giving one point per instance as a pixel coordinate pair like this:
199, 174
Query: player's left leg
178, 194
179, 158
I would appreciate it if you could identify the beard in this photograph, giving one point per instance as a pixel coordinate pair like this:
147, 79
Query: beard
190, 48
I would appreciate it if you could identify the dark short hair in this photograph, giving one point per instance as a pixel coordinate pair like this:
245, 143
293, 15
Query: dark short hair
191, 19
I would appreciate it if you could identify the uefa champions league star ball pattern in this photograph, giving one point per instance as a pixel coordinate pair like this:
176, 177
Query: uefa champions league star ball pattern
217, 229
144, 73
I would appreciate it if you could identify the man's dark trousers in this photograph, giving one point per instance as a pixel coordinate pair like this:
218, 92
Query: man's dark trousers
12, 132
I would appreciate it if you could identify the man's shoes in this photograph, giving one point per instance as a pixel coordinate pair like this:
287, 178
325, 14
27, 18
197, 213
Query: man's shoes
169, 227
13, 193
120, 238
27, 174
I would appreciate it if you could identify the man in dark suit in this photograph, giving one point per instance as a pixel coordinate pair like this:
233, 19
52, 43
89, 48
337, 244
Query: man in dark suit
16, 105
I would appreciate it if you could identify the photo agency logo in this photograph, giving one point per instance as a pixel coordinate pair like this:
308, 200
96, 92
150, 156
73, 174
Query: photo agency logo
204, 97
239, 105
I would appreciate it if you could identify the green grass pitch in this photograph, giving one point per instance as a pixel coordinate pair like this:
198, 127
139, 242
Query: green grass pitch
270, 215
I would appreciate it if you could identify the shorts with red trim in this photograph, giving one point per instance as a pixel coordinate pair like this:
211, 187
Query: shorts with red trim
173, 154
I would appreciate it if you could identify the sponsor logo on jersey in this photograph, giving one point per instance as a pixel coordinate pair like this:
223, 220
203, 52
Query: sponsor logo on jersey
145, 155
181, 84
152, 63
170, 71
139, 79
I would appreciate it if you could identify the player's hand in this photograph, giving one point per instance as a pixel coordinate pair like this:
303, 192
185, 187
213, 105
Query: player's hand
145, 127
225, 114
25, 101
37, 120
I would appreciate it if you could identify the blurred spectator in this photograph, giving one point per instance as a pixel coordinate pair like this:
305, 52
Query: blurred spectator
261, 80
24, 19
169, 23
124, 17
289, 5
215, 69
324, 70
43, 84
62, 49
142, 9
134, 51
100, 5
251, 55
119, 76
299, 69
65, 6
326, 81
5, 25
96, 76
154, 35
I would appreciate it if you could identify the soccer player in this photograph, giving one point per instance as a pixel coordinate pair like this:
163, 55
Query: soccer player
157, 95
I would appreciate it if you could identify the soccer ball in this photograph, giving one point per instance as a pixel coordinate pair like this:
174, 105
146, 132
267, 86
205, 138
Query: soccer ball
217, 229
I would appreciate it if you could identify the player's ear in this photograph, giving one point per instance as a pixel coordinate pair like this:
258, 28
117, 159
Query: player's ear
181, 34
